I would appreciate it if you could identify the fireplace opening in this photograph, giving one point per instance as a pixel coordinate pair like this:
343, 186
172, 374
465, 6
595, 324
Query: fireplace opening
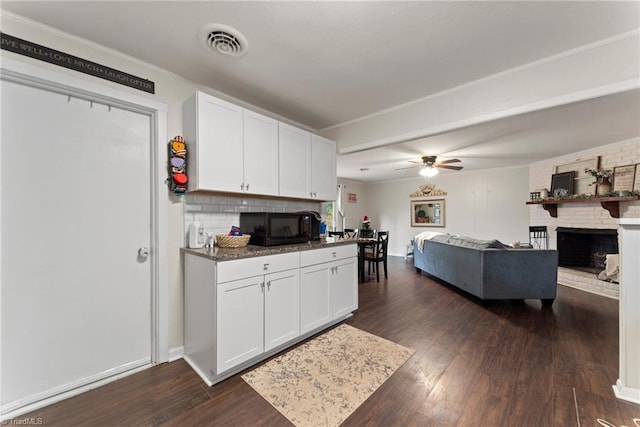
585, 249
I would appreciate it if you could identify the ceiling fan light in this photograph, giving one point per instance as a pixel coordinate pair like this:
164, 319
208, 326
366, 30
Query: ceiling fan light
428, 171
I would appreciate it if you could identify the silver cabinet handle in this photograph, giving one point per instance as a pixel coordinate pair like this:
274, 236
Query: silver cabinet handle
247, 187
242, 187
265, 267
334, 254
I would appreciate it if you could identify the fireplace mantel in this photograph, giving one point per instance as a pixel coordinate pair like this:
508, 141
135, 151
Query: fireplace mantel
609, 203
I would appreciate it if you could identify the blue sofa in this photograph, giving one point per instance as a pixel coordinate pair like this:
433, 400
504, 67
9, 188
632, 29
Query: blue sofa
488, 269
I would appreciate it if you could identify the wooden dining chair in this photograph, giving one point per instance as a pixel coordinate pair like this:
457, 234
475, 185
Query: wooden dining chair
350, 233
379, 254
336, 233
366, 233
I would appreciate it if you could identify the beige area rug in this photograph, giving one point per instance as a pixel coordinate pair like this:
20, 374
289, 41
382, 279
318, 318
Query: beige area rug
321, 382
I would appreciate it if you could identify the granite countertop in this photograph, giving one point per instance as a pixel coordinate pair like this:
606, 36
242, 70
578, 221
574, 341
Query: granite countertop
227, 254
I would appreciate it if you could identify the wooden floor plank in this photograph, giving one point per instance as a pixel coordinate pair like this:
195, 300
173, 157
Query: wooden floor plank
499, 364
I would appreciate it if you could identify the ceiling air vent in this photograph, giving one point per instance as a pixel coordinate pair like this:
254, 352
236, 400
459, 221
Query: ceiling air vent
224, 40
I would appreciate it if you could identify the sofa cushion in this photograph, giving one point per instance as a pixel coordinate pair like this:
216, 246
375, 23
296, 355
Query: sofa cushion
469, 242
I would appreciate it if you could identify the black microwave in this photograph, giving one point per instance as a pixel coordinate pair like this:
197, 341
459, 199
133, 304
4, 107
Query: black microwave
277, 228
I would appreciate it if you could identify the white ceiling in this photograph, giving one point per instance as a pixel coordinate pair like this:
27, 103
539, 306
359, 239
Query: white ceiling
323, 63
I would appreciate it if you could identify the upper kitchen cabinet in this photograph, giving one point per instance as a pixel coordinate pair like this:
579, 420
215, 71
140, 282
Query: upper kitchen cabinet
235, 150
295, 162
213, 131
307, 164
231, 149
260, 154
324, 180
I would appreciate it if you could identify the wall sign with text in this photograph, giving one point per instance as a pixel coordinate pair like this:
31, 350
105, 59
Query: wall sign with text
42, 53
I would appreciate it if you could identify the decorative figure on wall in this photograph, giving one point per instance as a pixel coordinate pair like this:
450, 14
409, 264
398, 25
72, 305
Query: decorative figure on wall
428, 190
177, 165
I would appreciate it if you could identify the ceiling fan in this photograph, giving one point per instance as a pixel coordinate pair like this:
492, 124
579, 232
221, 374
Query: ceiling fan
429, 167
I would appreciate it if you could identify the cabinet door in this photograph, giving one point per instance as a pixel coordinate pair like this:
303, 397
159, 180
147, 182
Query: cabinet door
294, 150
323, 168
315, 305
344, 287
281, 308
260, 154
239, 320
219, 145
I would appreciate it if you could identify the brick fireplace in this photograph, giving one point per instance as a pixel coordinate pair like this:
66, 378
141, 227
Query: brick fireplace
580, 216
584, 249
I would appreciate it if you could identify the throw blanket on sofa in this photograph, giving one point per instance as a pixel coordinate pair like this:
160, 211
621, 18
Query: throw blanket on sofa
425, 235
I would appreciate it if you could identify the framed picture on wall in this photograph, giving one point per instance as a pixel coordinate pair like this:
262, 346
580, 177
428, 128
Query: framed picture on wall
623, 177
427, 213
562, 184
582, 180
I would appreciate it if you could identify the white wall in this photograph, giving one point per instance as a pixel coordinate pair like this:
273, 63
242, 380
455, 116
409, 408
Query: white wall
487, 204
354, 212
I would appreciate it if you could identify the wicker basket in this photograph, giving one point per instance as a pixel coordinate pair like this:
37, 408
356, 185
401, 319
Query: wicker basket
224, 241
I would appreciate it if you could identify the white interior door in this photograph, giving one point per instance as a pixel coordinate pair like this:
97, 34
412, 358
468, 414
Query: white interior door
76, 208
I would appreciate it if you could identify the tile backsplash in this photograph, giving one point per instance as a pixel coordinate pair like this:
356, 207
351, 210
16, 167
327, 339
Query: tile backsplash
218, 213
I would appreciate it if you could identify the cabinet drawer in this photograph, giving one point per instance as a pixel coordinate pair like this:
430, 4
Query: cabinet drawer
249, 267
318, 256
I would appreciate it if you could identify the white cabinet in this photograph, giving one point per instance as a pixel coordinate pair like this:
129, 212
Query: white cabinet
213, 133
344, 289
258, 313
260, 154
294, 148
281, 308
240, 331
230, 149
307, 164
315, 305
255, 315
324, 182
329, 285
240, 311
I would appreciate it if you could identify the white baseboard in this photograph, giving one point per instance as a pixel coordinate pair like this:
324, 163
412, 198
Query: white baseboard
65, 391
626, 393
176, 353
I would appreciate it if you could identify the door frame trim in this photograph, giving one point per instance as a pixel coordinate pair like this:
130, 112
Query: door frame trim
39, 77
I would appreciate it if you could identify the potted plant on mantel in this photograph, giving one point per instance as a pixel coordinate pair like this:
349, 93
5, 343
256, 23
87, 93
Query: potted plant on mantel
602, 179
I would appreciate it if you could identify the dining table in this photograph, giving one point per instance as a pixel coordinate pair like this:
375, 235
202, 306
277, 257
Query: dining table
363, 244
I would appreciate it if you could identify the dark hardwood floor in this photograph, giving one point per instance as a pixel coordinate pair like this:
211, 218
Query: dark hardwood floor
503, 364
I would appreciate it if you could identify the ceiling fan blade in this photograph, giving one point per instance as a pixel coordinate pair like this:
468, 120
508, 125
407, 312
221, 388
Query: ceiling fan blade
444, 162
408, 167
455, 168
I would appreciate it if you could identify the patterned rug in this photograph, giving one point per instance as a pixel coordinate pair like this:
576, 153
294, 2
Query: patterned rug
321, 382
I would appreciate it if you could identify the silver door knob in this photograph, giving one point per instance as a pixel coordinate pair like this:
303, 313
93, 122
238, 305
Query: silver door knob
143, 253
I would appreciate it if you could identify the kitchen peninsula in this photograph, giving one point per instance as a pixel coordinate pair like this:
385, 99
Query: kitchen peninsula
243, 305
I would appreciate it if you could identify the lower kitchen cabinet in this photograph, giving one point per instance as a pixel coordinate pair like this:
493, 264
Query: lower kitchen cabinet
344, 295
241, 311
328, 287
281, 308
240, 328
255, 315
315, 306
